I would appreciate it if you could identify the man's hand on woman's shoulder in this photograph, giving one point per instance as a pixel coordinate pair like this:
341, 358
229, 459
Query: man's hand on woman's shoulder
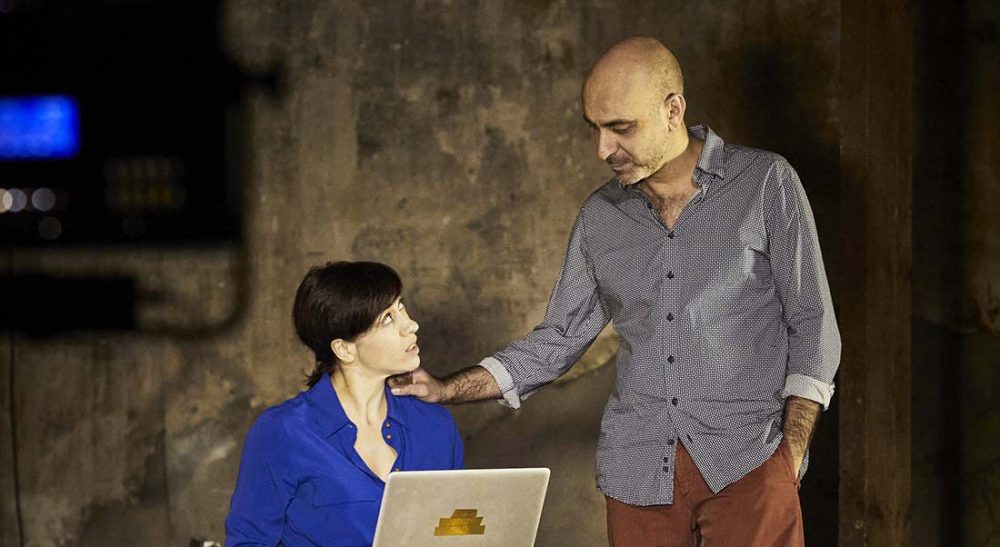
420, 384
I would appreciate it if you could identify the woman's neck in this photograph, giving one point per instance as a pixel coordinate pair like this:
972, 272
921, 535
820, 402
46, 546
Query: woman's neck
363, 397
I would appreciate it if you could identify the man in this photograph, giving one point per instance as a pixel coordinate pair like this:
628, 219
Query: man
705, 256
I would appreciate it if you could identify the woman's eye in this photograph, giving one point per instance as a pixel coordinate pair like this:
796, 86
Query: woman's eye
387, 319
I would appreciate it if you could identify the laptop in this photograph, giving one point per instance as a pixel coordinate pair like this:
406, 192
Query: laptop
482, 507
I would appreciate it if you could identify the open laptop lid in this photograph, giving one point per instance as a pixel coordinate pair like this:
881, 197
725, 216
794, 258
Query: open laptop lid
481, 507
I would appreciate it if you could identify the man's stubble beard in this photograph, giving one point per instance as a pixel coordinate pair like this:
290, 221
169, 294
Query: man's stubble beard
642, 171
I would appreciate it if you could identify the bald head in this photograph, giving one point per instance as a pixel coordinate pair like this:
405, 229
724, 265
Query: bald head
633, 101
639, 58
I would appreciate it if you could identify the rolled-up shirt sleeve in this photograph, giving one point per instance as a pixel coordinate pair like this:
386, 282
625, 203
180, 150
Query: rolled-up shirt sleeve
573, 319
802, 287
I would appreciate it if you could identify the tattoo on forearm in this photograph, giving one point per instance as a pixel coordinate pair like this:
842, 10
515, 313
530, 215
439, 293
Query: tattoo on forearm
470, 384
801, 416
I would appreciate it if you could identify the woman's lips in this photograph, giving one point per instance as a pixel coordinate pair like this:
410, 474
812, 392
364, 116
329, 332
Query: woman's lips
413, 349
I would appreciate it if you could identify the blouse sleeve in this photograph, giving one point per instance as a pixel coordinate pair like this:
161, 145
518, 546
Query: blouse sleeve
262, 494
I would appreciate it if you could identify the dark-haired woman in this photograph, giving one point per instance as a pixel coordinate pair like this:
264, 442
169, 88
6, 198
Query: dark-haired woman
314, 467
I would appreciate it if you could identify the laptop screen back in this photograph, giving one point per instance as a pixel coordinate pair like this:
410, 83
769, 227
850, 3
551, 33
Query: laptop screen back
480, 507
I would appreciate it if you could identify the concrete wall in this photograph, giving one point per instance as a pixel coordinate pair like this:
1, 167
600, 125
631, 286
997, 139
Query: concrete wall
444, 138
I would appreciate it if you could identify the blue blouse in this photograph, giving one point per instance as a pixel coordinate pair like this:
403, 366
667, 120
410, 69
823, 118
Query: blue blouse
302, 483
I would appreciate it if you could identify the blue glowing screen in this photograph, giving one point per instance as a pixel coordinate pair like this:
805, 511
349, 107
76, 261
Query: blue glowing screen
39, 128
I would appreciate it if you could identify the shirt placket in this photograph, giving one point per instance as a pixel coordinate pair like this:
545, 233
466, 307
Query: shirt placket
679, 242
666, 334
393, 435
669, 302
669, 332
349, 437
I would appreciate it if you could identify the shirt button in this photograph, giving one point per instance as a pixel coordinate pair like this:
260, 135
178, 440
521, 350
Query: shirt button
388, 436
666, 468
666, 460
670, 359
670, 234
387, 425
670, 275
673, 401
670, 442
670, 317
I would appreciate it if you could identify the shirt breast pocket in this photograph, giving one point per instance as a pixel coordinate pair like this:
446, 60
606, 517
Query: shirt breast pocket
327, 492
335, 511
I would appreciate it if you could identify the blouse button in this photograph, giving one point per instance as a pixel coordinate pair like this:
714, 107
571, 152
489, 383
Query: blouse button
388, 436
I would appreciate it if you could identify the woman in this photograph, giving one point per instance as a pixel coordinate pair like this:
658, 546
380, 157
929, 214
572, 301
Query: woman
314, 467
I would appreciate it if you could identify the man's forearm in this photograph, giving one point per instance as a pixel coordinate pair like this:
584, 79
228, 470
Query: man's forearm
470, 384
801, 416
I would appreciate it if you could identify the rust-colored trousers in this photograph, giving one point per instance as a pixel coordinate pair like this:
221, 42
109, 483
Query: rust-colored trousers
761, 509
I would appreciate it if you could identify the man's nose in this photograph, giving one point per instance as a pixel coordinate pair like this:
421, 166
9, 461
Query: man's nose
606, 145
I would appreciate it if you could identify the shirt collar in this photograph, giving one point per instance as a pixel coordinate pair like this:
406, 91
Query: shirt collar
396, 408
711, 160
330, 415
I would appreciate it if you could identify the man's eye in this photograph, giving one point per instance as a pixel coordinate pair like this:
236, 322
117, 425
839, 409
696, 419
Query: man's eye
622, 129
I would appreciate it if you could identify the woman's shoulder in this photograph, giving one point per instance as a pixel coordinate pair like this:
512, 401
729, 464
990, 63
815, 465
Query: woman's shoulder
435, 433
278, 419
424, 414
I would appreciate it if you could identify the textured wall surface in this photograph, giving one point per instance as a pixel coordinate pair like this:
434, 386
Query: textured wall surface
444, 138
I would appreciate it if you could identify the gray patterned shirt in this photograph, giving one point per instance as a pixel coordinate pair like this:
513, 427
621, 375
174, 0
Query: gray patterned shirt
720, 319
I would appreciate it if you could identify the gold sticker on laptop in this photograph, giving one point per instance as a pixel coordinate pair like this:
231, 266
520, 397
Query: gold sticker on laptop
463, 522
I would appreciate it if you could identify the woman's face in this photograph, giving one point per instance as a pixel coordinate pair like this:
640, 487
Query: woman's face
390, 347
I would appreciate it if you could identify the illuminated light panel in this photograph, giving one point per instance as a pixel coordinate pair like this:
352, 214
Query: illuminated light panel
49, 228
43, 199
38, 128
17, 198
6, 200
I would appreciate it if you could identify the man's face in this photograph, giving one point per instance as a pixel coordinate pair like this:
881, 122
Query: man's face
629, 124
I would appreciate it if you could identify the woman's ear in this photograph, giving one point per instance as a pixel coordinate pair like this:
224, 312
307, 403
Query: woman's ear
345, 351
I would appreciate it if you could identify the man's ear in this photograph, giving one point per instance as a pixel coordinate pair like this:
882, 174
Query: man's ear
675, 105
345, 351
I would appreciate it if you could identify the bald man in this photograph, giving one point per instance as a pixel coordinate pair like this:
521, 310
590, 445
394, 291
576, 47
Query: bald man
704, 255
